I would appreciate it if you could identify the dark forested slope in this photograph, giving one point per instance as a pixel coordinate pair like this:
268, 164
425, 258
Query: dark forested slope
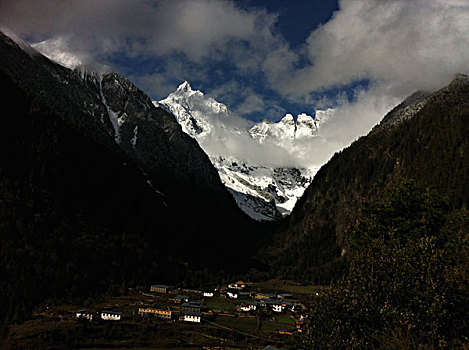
425, 138
86, 207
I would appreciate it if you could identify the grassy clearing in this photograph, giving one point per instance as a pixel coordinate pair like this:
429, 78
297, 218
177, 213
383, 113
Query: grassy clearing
282, 318
288, 286
220, 304
238, 323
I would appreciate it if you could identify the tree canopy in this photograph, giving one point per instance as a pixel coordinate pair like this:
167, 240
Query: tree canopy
407, 282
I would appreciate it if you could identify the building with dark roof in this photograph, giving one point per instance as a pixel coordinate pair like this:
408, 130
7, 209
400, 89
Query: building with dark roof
159, 288
191, 316
191, 307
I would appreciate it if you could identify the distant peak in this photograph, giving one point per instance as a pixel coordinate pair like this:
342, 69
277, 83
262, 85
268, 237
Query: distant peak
186, 87
304, 117
288, 119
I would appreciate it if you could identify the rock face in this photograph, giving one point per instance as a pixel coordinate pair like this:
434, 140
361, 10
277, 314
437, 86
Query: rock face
155, 140
425, 138
263, 192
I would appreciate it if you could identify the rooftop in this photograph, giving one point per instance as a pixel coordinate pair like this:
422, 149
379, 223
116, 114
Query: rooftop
111, 312
192, 313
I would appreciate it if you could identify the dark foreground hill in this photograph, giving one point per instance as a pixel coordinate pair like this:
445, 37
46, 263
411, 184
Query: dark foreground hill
426, 138
100, 190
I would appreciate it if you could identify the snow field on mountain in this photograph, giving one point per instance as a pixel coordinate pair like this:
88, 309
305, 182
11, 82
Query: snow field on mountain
260, 164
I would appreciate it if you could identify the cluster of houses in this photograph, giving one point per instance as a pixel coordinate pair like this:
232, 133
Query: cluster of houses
274, 302
274, 305
278, 303
193, 311
105, 315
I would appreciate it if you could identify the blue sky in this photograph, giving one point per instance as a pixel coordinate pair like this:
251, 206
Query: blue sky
255, 99
296, 19
264, 58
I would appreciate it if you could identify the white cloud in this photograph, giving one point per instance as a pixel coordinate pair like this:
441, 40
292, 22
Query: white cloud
156, 84
204, 28
350, 120
419, 44
398, 45
345, 123
252, 103
245, 148
198, 29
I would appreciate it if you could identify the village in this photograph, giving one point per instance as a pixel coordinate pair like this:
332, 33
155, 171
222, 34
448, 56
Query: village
238, 315
196, 306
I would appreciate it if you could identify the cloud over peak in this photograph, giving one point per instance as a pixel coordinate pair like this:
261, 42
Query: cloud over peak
419, 44
239, 55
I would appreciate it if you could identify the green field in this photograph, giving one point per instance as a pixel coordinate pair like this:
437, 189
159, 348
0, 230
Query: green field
221, 304
298, 290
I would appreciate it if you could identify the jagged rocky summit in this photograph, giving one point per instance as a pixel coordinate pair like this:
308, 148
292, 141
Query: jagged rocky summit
264, 192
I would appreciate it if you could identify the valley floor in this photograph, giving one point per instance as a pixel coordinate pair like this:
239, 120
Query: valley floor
223, 325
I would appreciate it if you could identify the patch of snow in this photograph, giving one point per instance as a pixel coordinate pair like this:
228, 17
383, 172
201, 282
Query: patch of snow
133, 141
114, 118
261, 185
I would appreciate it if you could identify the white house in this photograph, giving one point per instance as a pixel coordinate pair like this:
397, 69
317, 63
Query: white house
277, 307
232, 295
85, 313
246, 307
111, 315
191, 316
253, 305
208, 294
159, 288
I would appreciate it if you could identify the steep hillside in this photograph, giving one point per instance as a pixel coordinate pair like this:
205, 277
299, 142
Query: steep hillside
424, 138
176, 167
100, 190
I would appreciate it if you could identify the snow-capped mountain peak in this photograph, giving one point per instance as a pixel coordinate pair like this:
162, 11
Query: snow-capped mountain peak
185, 91
287, 130
306, 126
184, 87
264, 191
288, 120
198, 114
